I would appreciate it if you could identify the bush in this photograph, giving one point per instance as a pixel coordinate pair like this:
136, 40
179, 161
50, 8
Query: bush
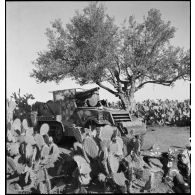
168, 112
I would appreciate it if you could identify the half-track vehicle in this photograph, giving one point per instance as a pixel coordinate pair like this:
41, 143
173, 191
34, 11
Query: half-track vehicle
82, 108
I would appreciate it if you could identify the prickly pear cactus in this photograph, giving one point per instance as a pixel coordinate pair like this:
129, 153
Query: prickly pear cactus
30, 131
90, 147
113, 148
54, 153
17, 124
113, 163
84, 167
84, 179
119, 178
29, 151
11, 165
120, 144
101, 177
13, 149
106, 132
29, 139
104, 144
20, 168
11, 137
44, 129
39, 140
77, 134
84, 170
25, 124
42, 180
45, 153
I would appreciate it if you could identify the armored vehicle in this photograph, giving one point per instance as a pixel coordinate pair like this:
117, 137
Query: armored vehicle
82, 108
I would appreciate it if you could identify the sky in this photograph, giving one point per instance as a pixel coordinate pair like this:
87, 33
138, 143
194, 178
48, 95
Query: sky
26, 23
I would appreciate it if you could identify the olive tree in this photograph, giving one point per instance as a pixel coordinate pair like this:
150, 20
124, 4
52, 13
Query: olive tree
92, 49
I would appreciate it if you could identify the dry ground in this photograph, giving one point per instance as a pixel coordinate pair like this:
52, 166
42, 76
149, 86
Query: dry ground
165, 137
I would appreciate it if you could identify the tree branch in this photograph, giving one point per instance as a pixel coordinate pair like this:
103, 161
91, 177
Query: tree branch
161, 82
106, 88
116, 74
112, 78
139, 74
117, 62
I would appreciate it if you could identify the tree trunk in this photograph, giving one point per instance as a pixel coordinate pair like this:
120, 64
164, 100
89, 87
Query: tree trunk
127, 102
127, 99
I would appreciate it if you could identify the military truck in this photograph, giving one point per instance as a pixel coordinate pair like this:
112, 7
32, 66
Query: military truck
82, 108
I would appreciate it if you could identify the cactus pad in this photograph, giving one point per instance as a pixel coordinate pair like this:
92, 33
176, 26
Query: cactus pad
105, 144
25, 124
20, 168
116, 147
10, 137
54, 152
77, 134
119, 178
21, 139
29, 140
44, 129
101, 177
17, 124
39, 140
11, 164
29, 151
106, 132
113, 163
14, 148
83, 166
41, 175
120, 141
29, 131
45, 151
84, 179
90, 147
113, 148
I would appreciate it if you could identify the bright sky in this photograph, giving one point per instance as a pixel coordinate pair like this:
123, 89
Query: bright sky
26, 23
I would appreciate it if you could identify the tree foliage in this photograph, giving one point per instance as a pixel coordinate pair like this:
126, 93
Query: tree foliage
23, 108
92, 49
